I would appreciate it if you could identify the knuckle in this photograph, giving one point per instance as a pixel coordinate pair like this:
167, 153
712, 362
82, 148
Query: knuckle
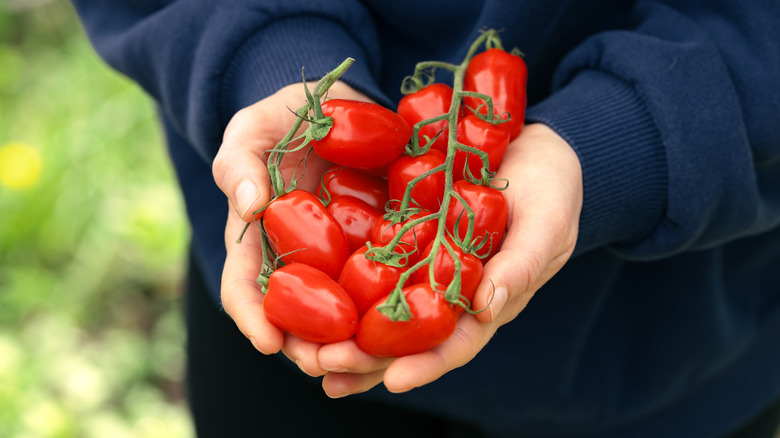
219, 168
217, 171
463, 338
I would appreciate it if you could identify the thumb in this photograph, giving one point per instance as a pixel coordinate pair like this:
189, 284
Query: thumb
239, 169
544, 199
528, 258
507, 286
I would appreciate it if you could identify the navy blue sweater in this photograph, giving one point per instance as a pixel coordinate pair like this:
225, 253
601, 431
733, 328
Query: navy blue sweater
666, 321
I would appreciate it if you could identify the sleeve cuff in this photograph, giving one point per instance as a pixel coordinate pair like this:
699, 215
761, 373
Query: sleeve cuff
620, 149
273, 58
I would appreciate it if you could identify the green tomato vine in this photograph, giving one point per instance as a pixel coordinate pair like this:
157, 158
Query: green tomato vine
396, 307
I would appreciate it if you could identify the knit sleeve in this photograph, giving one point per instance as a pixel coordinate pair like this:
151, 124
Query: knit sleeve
675, 123
203, 60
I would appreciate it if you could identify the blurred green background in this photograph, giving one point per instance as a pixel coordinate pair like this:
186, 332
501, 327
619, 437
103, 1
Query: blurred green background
92, 242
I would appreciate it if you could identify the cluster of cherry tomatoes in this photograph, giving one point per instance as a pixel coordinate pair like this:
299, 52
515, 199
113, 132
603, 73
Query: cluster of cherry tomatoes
390, 249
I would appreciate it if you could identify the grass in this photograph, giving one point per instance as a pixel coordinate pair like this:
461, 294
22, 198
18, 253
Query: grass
92, 242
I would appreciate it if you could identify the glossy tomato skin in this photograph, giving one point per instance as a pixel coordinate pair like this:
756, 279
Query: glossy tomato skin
307, 303
433, 321
356, 218
364, 135
302, 230
502, 76
487, 137
444, 270
412, 242
490, 215
427, 193
343, 181
366, 281
431, 101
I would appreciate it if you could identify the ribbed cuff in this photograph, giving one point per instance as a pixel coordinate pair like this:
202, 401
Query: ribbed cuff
620, 149
275, 56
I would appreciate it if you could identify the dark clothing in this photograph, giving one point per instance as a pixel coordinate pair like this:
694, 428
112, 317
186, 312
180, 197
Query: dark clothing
666, 321
230, 385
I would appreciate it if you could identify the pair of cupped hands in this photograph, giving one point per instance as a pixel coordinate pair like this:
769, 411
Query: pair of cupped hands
544, 197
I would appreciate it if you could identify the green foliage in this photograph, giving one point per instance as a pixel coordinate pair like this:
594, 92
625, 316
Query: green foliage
92, 242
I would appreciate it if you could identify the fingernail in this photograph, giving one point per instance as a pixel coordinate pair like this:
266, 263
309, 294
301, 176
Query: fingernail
400, 390
299, 363
254, 343
246, 194
499, 299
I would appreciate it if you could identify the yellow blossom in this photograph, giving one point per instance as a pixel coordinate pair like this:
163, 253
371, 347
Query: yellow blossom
20, 165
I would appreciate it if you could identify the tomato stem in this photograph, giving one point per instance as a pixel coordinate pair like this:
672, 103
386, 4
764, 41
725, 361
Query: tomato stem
415, 149
268, 266
318, 126
395, 306
387, 252
412, 183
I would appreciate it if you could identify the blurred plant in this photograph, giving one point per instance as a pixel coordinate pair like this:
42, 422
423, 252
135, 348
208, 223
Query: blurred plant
92, 239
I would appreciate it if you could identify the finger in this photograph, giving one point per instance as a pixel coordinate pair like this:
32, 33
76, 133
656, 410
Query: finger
242, 297
507, 280
343, 357
338, 385
531, 254
239, 169
544, 198
416, 370
304, 354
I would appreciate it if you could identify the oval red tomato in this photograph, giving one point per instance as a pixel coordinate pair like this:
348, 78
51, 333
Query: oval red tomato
356, 218
343, 181
433, 321
490, 215
364, 135
411, 243
502, 76
366, 281
426, 103
307, 303
301, 230
487, 137
428, 192
444, 270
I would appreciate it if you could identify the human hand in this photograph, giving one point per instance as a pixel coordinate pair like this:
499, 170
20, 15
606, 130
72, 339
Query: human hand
240, 172
545, 199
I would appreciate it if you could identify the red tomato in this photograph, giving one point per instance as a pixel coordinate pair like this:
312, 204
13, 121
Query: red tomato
502, 76
431, 101
411, 243
433, 321
301, 230
427, 193
490, 215
306, 302
487, 137
356, 218
364, 135
366, 281
379, 172
343, 181
444, 270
